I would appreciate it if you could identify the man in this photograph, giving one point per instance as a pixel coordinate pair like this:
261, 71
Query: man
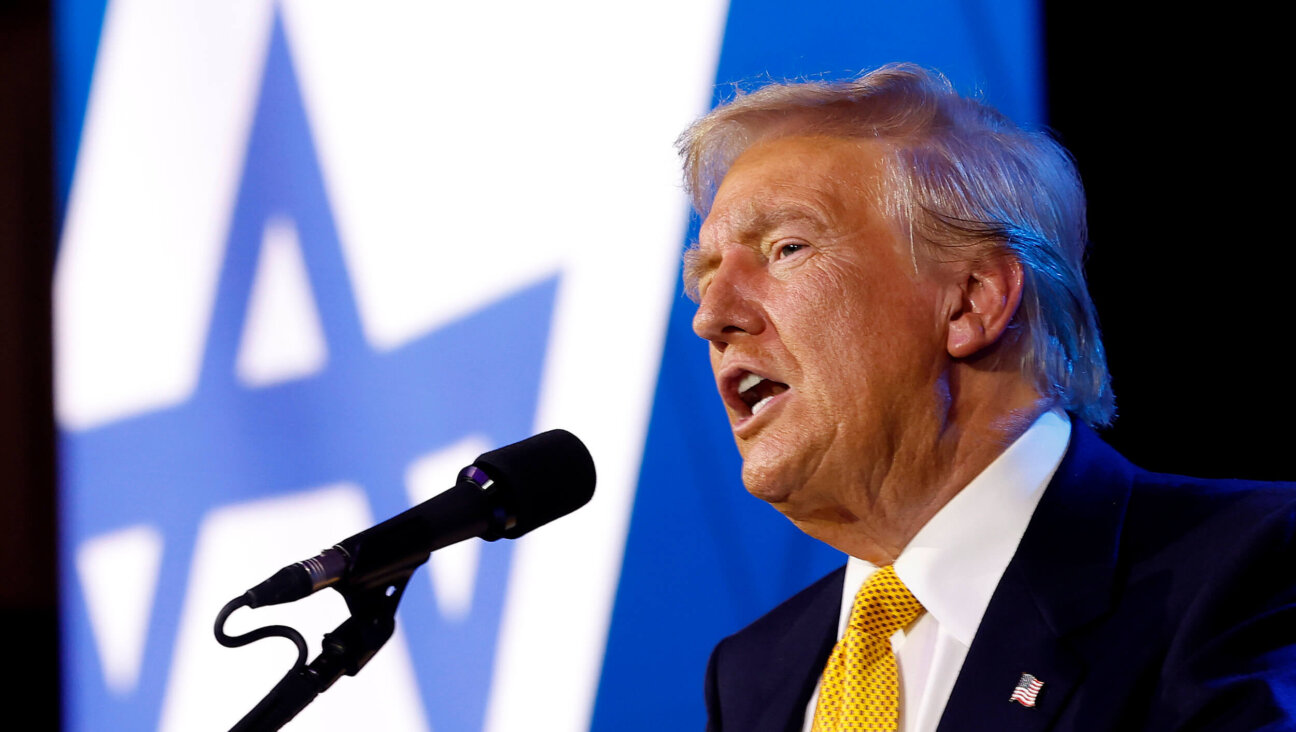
890, 280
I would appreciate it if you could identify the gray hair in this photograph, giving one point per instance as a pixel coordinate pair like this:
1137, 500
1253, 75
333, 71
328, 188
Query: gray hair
965, 181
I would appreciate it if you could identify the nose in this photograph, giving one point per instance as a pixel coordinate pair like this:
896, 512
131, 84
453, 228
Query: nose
730, 307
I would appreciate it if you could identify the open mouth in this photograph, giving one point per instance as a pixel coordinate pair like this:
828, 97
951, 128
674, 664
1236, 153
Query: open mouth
757, 392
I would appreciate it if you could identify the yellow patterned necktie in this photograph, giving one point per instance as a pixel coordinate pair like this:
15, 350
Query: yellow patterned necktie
861, 683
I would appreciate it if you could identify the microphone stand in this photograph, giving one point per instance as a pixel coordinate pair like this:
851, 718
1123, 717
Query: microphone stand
345, 651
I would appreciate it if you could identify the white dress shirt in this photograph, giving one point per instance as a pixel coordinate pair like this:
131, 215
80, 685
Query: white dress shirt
953, 565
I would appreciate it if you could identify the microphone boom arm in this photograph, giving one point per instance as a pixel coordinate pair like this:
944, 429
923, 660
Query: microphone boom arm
345, 651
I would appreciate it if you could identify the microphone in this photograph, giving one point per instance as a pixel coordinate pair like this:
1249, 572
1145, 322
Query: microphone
504, 493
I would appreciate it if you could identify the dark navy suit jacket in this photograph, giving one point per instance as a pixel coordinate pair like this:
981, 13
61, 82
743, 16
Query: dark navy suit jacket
1142, 601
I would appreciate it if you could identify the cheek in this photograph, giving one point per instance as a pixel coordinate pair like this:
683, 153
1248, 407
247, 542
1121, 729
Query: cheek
843, 310
866, 332
833, 334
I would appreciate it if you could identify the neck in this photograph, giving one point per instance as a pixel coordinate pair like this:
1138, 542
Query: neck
876, 517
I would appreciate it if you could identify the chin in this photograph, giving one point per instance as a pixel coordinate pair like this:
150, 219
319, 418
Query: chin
766, 483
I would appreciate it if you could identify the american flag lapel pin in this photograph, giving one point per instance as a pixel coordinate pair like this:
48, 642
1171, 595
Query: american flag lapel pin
1028, 688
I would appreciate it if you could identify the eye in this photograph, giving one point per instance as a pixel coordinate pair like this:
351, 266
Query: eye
783, 250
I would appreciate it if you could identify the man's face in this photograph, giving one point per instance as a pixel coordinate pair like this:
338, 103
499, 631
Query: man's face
827, 334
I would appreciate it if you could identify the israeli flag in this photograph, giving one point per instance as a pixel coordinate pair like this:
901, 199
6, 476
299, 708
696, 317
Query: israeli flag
316, 256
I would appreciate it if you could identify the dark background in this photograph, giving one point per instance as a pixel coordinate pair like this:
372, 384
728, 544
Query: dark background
28, 620
1176, 125
1174, 122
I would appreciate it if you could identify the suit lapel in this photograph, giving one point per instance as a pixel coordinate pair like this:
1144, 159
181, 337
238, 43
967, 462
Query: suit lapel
1018, 641
1059, 580
799, 654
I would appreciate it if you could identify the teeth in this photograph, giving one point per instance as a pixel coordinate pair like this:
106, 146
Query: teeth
758, 406
748, 382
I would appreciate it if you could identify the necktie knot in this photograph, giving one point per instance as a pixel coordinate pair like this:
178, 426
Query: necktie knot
883, 605
860, 688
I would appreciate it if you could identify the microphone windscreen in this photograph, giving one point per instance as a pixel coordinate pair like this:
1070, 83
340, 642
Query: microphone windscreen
541, 478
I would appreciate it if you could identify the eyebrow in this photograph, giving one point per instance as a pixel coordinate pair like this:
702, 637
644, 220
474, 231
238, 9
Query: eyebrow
696, 264
747, 227
756, 223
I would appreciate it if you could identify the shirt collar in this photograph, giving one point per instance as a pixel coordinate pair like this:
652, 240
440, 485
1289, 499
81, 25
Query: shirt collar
953, 564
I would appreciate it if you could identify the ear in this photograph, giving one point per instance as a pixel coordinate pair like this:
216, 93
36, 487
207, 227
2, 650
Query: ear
990, 292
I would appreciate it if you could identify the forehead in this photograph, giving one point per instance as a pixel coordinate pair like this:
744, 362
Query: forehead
826, 188
823, 178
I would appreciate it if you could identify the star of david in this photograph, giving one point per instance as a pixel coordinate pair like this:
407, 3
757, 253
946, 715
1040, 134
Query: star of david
360, 419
